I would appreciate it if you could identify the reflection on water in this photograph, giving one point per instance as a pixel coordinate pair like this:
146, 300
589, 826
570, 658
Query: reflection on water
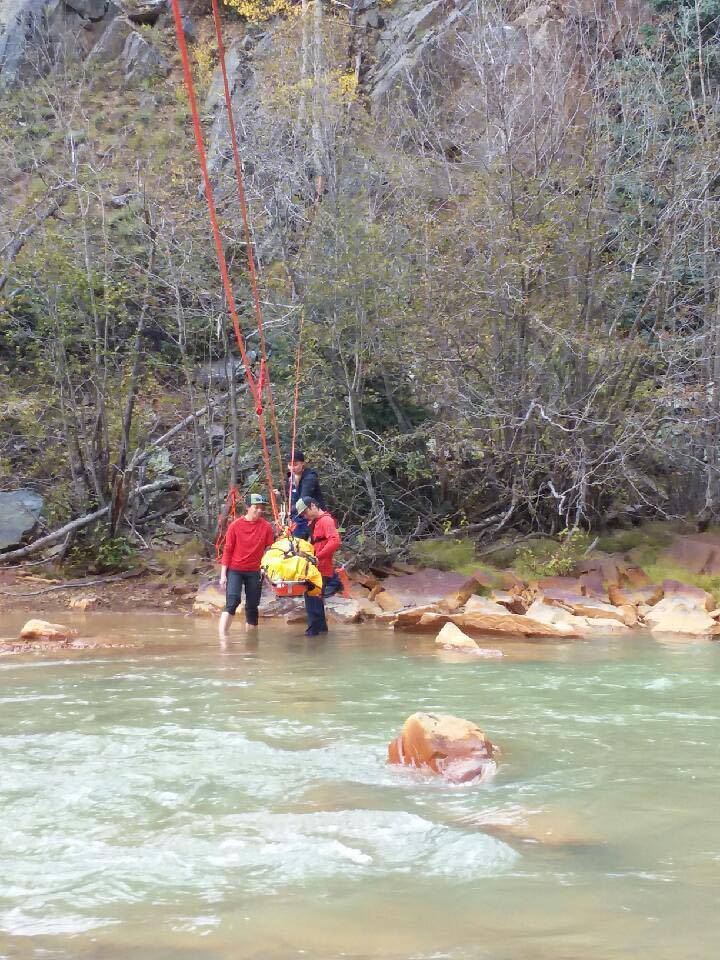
180, 801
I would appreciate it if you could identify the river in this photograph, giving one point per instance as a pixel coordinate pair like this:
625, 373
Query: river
172, 800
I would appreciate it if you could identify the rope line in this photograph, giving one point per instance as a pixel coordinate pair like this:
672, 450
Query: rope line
246, 225
255, 390
295, 409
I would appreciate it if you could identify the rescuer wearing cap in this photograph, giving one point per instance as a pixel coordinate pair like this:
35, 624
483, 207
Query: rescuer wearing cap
305, 485
247, 539
326, 539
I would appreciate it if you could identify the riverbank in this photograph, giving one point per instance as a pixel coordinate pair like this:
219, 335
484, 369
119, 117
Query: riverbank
663, 580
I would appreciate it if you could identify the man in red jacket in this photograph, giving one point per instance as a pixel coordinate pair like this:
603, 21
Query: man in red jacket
247, 540
325, 538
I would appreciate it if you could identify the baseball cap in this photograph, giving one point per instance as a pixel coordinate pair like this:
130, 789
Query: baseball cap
257, 500
301, 506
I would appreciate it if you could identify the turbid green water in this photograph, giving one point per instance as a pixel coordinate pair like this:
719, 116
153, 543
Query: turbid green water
178, 802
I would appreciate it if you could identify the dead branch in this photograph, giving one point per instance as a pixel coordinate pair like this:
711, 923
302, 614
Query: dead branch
75, 584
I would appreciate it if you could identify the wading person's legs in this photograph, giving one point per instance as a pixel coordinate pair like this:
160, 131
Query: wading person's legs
233, 595
315, 609
253, 591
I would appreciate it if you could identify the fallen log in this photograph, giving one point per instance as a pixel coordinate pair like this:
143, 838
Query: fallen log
37, 545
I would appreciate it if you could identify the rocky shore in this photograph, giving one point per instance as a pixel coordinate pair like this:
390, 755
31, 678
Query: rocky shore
604, 594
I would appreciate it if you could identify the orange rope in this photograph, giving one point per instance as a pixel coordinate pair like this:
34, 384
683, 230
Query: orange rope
222, 262
246, 223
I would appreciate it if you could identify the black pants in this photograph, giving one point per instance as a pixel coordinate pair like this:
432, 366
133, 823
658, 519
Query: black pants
315, 609
252, 582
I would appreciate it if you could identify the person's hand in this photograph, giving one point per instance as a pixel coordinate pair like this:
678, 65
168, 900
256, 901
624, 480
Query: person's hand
223, 580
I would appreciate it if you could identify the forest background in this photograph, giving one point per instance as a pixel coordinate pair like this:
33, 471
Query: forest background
494, 226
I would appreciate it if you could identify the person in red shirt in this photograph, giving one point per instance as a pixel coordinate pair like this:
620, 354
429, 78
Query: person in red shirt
325, 538
247, 540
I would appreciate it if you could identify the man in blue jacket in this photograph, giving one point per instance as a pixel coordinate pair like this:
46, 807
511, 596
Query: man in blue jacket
304, 484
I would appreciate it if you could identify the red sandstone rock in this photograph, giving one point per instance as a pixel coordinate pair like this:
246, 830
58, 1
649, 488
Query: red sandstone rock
489, 624
581, 606
42, 630
650, 595
699, 553
429, 586
389, 602
456, 749
513, 602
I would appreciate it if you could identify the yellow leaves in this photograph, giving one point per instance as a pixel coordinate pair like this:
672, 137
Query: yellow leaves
205, 57
256, 11
348, 85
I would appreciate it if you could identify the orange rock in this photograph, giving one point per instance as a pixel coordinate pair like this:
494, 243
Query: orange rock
547, 585
514, 602
635, 577
358, 592
368, 580
650, 595
452, 636
387, 601
485, 624
410, 617
42, 630
456, 749
581, 606
456, 600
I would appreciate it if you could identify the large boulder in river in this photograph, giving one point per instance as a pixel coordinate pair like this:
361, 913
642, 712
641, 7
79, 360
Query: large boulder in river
42, 630
456, 749
451, 637
19, 515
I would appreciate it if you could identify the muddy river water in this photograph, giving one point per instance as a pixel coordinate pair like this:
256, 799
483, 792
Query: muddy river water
171, 800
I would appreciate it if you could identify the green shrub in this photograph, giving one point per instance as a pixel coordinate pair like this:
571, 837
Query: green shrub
97, 552
552, 558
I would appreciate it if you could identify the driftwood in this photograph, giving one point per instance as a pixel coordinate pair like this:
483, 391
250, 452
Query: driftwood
76, 584
85, 521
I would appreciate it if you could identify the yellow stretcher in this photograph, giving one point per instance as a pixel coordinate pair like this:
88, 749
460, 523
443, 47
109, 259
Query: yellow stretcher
290, 566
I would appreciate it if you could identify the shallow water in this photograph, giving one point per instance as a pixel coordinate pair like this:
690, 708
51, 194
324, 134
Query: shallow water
174, 801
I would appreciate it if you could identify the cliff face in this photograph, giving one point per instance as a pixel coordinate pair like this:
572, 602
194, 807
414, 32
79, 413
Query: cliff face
535, 51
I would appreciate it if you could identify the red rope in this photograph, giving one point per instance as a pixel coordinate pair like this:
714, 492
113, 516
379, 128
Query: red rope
295, 411
222, 263
246, 223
